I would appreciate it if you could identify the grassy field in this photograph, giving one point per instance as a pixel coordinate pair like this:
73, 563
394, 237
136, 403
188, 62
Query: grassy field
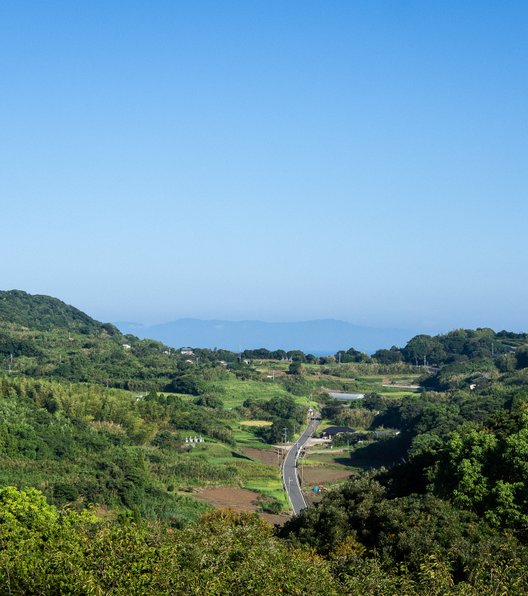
396, 393
264, 479
368, 456
217, 464
233, 392
317, 379
245, 436
271, 366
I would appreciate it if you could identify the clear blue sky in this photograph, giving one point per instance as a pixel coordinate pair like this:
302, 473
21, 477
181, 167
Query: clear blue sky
275, 160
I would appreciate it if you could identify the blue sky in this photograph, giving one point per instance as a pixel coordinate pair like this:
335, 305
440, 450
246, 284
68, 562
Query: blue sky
359, 160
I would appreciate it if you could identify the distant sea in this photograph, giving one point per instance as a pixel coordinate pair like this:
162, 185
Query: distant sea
318, 337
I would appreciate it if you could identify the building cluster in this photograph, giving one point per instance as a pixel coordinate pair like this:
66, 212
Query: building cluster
194, 440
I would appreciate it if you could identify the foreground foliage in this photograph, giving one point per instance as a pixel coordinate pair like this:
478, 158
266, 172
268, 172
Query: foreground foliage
405, 535
46, 550
51, 551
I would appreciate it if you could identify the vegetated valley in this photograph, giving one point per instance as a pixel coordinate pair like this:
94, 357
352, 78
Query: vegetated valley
119, 454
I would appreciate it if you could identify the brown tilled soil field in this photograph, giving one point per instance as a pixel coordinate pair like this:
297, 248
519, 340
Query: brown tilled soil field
315, 475
266, 456
238, 499
318, 476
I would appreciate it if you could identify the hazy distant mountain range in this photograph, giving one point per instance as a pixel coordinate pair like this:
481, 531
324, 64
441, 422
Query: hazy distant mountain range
317, 337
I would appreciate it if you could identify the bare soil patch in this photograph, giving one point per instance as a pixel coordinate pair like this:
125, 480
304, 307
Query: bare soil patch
237, 499
315, 475
321, 475
266, 456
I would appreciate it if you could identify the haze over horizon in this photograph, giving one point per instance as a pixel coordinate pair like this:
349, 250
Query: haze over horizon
358, 161
319, 337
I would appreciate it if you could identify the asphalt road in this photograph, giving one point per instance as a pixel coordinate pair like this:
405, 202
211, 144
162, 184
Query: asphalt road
289, 469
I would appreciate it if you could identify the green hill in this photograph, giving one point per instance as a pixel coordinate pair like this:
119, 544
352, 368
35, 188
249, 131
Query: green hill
41, 336
46, 313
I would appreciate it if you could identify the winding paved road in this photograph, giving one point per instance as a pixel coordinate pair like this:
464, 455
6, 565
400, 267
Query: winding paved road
289, 469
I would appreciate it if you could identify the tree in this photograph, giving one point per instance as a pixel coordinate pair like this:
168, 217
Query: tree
295, 368
280, 430
522, 357
296, 356
391, 356
210, 401
351, 355
423, 349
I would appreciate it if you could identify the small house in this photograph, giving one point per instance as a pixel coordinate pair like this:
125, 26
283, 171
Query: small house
332, 431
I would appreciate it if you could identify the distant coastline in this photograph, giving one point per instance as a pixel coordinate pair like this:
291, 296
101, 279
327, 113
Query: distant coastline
318, 337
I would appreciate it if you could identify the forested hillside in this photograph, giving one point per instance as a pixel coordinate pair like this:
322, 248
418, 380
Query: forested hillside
46, 313
41, 336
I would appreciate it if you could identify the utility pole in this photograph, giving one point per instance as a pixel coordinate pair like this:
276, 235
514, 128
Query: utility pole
285, 435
